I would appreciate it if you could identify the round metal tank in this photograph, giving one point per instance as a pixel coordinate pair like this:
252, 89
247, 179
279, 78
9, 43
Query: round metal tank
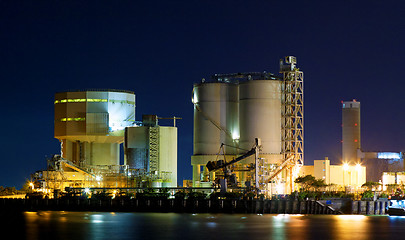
260, 114
216, 117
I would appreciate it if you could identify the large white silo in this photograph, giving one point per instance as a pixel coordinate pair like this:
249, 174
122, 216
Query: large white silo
216, 121
260, 114
215, 117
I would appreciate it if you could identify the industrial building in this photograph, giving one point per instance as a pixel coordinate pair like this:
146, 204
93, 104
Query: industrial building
92, 126
232, 110
375, 162
248, 134
357, 166
152, 149
395, 179
380, 162
339, 176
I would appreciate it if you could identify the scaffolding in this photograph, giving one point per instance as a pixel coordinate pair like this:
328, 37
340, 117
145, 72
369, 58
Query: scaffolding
153, 149
292, 114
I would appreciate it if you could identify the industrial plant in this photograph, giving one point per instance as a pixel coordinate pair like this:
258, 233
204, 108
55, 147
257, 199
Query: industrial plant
248, 134
248, 137
383, 167
92, 126
357, 165
248, 130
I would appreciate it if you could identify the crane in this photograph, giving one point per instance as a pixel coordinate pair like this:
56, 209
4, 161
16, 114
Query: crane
221, 164
174, 119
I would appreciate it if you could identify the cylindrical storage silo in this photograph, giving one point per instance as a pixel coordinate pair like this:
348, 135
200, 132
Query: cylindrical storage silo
216, 118
260, 114
350, 131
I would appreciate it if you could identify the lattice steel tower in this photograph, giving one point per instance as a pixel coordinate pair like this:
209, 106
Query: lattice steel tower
292, 111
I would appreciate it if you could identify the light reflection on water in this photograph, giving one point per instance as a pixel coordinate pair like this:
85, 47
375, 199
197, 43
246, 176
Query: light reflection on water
96, 225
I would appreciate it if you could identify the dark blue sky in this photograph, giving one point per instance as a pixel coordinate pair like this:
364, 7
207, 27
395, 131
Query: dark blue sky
158, 49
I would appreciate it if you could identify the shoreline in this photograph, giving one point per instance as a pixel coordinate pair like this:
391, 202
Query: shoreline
249, 206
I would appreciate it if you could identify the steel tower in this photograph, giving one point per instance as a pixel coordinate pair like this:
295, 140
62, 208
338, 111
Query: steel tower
292, 114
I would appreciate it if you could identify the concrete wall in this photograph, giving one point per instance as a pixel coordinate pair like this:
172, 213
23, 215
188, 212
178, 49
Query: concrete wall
137, 148
168, 154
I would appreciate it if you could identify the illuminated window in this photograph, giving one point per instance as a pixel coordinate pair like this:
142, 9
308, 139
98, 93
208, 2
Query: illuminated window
77, 100
79, 119
93, 100
80, 100
389, 155
96, 100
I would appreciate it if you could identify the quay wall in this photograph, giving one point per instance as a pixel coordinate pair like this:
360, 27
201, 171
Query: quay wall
256, 206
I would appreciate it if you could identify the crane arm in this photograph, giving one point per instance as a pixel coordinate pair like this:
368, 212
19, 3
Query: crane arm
215, 165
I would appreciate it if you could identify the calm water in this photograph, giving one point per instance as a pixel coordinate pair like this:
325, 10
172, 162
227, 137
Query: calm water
92, 225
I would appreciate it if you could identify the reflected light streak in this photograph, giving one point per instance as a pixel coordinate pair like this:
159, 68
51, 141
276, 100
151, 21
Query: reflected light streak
352, 227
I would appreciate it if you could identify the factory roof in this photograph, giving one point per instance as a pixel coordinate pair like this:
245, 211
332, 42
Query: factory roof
98, 90
239, 77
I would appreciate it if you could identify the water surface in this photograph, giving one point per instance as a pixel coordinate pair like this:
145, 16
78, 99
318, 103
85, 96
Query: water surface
101, 225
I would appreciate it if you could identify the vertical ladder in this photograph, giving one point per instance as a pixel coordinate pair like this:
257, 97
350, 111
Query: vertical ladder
153, 149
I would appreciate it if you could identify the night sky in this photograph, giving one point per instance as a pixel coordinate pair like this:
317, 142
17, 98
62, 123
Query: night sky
158, 49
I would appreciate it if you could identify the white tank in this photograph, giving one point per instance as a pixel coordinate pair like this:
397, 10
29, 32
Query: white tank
260, 114
216, 118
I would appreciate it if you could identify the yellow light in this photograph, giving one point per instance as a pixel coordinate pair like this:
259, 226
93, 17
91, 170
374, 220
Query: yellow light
82, 100
358, 167
77, 100
73, 119
345, 166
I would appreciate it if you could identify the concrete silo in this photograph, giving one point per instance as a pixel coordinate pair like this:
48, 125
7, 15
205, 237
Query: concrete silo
260, 115
90, 125
238, 108
350, 131
216, 121
260, 110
